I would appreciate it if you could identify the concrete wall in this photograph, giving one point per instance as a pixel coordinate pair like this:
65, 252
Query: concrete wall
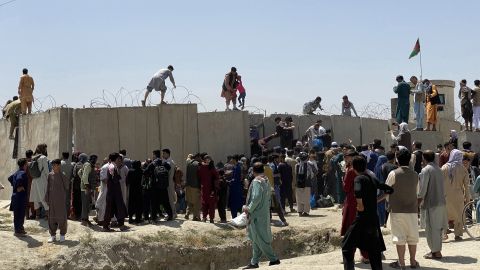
372, 129
182, 129
138, 130
223, 133
7, 164
53, 127
429, 139
346, 128
446, 88
472, 137
179, 130
96, 131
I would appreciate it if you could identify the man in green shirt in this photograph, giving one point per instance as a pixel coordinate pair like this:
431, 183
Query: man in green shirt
258, 211
403, 104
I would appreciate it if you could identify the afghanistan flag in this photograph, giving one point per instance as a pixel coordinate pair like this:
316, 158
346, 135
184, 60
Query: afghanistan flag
416, 49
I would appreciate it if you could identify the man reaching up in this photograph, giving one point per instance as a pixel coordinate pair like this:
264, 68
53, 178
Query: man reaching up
158, 83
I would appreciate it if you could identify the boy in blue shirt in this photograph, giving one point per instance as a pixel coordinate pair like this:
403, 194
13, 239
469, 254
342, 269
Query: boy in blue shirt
19, 181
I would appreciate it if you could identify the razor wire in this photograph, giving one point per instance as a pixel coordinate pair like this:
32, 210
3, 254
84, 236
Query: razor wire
183, 95
133, 98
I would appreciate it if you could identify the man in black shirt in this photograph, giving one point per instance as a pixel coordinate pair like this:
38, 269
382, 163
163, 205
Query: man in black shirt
365, 231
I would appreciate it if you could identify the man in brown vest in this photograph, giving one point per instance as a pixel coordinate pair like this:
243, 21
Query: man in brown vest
403, 207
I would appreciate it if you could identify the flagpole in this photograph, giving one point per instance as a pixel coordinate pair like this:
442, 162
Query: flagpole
421, 69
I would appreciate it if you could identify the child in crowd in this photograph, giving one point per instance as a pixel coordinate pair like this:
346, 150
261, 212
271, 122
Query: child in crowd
57, 188
241, 91
181, 203
19, 181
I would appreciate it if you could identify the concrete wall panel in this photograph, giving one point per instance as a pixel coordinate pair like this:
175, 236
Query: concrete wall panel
346, 128
97, 131
179, 131
429, 139
52, 127
445, 126
7, 164
138, 131
223, 133
472, 137
373, 129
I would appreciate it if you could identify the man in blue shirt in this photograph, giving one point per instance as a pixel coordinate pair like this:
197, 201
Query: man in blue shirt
19, 181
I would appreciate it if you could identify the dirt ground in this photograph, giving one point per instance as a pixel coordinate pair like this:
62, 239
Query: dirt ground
87, 248
464, 255
198, 245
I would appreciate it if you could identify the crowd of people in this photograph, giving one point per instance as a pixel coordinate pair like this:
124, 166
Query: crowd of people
411, 187
414, 189
371, 183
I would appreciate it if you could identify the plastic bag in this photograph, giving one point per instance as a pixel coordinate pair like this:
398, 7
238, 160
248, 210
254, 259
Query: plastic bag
240, 221
313, 203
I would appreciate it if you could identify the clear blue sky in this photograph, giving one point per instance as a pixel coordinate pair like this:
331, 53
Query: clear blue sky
286, 51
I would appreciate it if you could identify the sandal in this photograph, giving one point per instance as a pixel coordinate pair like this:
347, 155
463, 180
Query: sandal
415, 266
431, 256
396, 265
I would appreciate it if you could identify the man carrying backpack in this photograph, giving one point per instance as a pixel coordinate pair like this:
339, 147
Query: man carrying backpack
159, 171
39, 170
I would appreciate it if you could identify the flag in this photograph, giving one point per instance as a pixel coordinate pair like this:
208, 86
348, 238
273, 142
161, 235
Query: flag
416, 49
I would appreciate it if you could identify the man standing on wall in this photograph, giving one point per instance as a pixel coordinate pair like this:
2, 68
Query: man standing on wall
157, 83
25, 91
419, 101
229, 89
403, 103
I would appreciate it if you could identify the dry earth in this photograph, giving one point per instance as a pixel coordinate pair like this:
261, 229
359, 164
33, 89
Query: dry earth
179, 244
309, 242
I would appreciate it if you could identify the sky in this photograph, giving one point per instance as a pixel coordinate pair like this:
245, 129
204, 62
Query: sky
288, 52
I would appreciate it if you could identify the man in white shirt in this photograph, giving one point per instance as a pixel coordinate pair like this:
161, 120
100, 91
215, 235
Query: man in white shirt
315, 131
419, 101
157, 83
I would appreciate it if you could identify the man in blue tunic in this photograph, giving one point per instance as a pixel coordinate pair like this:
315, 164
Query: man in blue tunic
403, 104
19, 181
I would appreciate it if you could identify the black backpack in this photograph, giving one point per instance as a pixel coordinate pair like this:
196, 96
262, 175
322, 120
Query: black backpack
418, 161
302, 178
34, 168
160, 175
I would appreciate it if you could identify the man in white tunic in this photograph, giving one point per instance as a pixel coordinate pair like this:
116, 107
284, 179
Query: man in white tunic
431, 196
101, 202
39, 184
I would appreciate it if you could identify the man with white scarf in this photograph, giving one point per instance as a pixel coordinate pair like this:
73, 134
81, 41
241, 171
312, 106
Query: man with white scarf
404, 138
305, 174
456, 181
